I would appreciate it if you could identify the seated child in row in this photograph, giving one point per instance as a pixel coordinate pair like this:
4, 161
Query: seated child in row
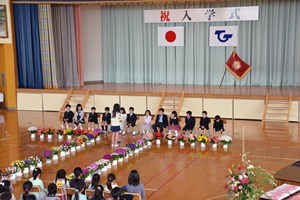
68, 116
98, 194
52, 190
174, 123
118, 194
189, 122
161, 121
146, 126
218, 125
131, 121
111, 182
79, 191
93, 119
79, 117
27, 187
77, 173
106, 119
36, 181
204, 123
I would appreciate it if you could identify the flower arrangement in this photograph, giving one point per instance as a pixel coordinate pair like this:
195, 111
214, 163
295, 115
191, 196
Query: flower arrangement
115, 156
122, 153
60, 131
131, 146
82, 139
27, 163
73, 143
34, 160
247, 181
98, 131
93, 167
202, 139
140, 143
47, 154
79, 140
148, 136
158, 135
49, 131
65, 147
192, 138
171, 137
90, 136
78, 132
182, 138
40, 131
85, 173
108, 157
69, 131
10, 170
55, 150
213, 139
32, 130
225, 139
19, 164
102, 163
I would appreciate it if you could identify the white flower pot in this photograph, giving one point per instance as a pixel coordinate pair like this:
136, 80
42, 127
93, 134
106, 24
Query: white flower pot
214, 146
82, 145
108, 166
145, 146
126, 157
67, 152
202, 145
60, 137
88, 178
62, 154
26, 170
136, 151
88, 143
141, 149
121, 160
92, 140
225, 146
157, 141
69, 137
40, 164
55, 157
19, 173
104, 169
31, 167
12, 176
73, 149
32, 135
114, 162
48, 161
181, 143
78, 148
149, 143
42, 136
131, 154
170, 142
50, 136
98, 138
193, 144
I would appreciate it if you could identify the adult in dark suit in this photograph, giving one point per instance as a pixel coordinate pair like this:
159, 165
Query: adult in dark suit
161, 121
189, 122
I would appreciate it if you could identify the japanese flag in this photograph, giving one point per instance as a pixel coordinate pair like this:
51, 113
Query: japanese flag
170, 36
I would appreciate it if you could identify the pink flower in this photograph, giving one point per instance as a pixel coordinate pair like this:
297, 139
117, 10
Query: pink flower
234, 188
245, 181
240, 187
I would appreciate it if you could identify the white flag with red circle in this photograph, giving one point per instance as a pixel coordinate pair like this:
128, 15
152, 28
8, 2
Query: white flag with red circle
170, 36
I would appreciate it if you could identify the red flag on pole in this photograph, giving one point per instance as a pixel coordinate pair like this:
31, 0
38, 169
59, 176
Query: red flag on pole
237, 66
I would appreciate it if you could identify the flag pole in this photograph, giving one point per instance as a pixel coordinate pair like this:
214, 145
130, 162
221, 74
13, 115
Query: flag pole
223, 78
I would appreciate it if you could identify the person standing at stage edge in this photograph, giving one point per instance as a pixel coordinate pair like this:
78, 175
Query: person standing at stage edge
115, 125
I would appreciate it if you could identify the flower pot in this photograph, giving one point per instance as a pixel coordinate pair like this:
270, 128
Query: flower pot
131, 154
202, 144
98, 138
121, 160
145, 146
31, 167
73, 149
92, 140
170, 142
67, 152
214, 146
225, 146
78, 148
193, 144
141, 149
55, 157
104, 169
114, 162
157, 141
108, 166
60, 137
50, 136
40, 164
12, 176
26, 170
69, 137
48, 161
62, 154
82, 145
181, 143
88, 178
42, 136
149, 143
19, 173
136, 151
32, 135
126, 157
88, 143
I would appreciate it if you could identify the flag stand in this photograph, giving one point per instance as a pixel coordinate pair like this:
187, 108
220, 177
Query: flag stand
223, 78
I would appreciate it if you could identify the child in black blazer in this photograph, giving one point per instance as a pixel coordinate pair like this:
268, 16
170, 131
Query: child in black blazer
189, 122
93, 118
218, 125
68, 116
204, 123
161, 121
106, 119
131, 121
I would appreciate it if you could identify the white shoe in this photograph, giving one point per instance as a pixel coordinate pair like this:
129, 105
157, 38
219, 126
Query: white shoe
133, 133
123, 133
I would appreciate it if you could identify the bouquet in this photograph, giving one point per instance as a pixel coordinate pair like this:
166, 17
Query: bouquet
202, 139
56, 150
49, 131
102, 163
225, 139
171, 137
181, 138
19, 164
69, 131
115, 156
108, 157
78, 132
158, 135
60, 131
27, 163
65, 147
131, 146
34, 160
192, 138
82, 139
98, 131
32, 130
247, 181
93, 167
90, 135
140, 143
73, 144
122, 152
47, 154
148, 136
40, 131
213, 139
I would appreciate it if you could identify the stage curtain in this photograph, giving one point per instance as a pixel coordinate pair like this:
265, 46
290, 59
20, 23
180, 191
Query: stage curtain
77, 20
270, 45
47, 46
28, 46
65, 45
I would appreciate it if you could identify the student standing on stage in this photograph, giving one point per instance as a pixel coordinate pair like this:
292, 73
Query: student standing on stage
204, 123
106, 119
115, 125
68, 116
123, 122
189, 122
93, 118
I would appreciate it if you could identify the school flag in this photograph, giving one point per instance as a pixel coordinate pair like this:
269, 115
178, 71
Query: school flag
237, 66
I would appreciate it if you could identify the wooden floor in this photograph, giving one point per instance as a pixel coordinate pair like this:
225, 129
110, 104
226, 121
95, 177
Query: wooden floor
167, 173
205, 91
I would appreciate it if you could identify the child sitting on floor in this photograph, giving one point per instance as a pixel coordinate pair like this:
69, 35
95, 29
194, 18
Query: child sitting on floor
106, 120
174, 123
218, 125
68, 116
93, 119
204, 123
146, 127
79, 117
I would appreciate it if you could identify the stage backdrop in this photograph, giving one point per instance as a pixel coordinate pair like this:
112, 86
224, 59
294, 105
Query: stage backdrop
271, 46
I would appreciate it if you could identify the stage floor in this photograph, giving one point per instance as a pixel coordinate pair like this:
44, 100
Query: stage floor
167, 172
205, 91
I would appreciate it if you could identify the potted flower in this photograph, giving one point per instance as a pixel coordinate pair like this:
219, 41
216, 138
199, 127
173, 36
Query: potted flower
79, 141
158, 136
93, 168
122, 154
19, 165
35, 162
132, 148
214, 141
115, 157
49, 132
65, 148
181, 139
192, 139
99, 132
82, 140
109, 158
140, 143
225, 140
69, 132
148, 137
40, 132
32, 130
73, 145
202, 139
56, 152
91, 137
60, 133
86, 175
171, 138
12, 172
27, 164
102, 164
47, 154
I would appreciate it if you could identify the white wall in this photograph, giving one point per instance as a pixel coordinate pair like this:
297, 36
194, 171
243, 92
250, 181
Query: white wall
92, 42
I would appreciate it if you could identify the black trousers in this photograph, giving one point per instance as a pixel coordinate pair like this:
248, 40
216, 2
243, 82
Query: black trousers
159, 125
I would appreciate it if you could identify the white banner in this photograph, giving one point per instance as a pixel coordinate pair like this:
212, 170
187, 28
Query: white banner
202, 14
170, 36
224, 36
